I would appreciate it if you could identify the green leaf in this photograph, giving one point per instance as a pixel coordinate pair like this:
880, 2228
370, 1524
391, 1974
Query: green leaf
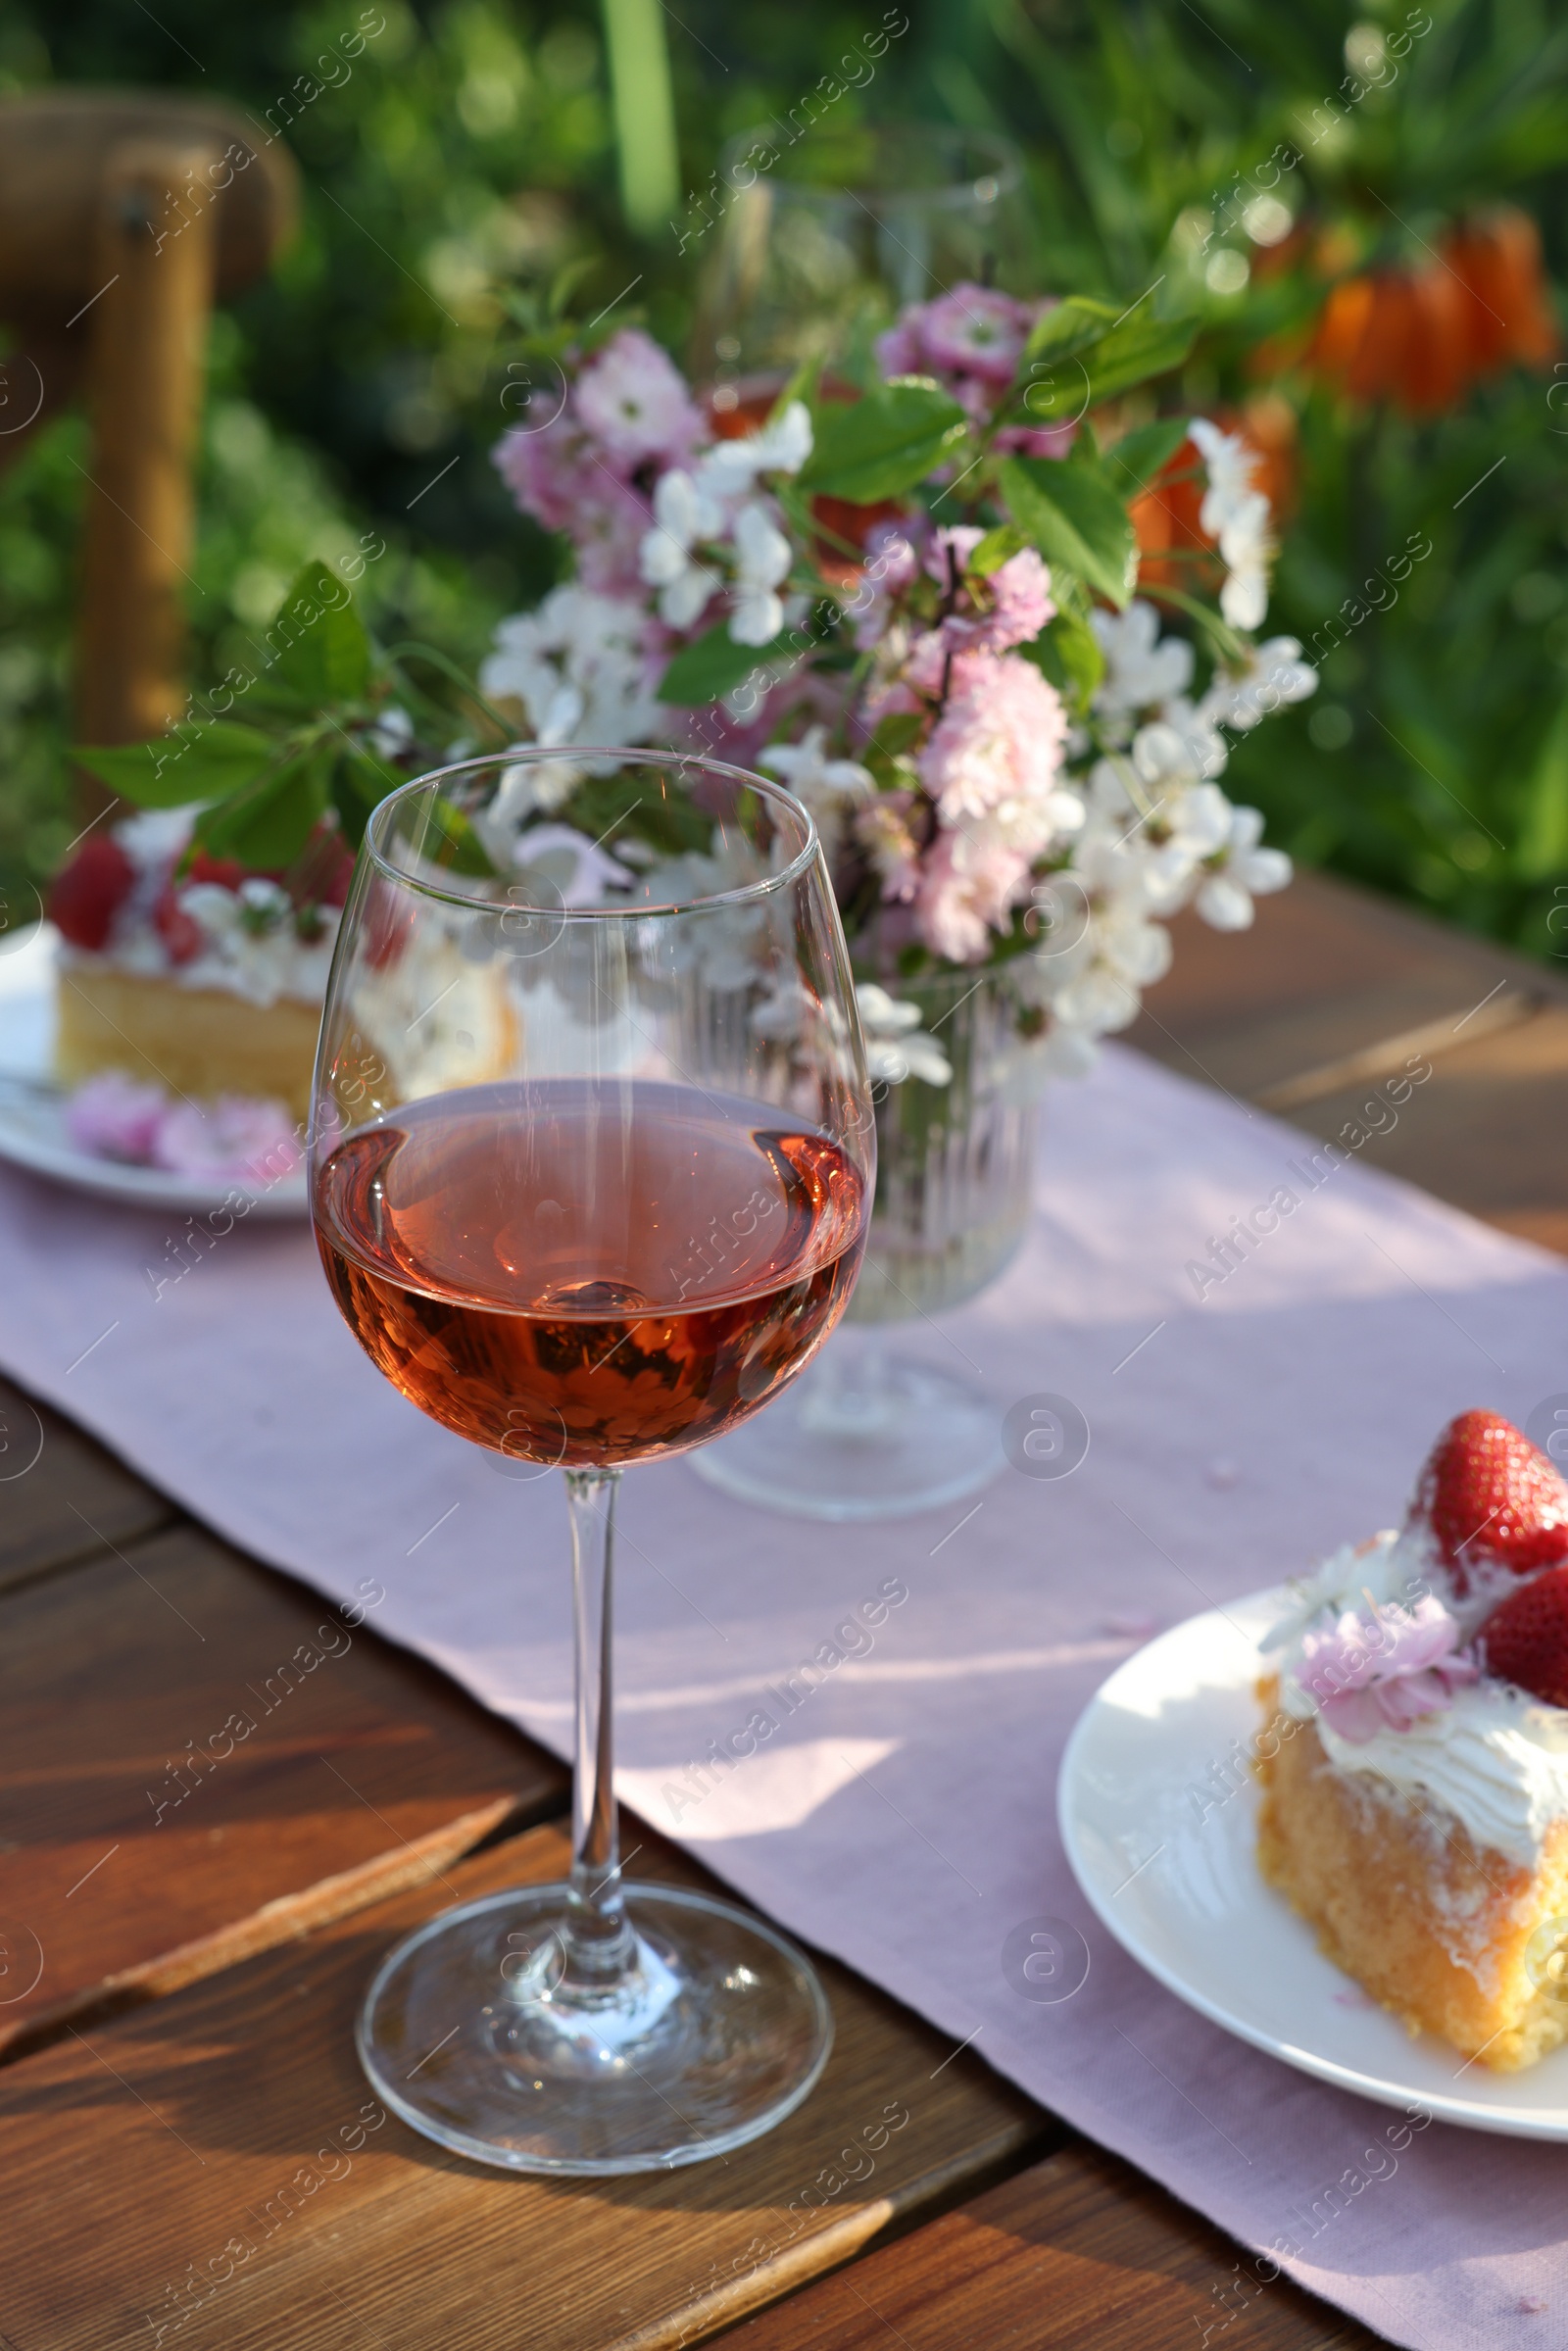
266, 823
882, 445
192, 761
997, 548
1136, 351
1226, 643
323, 652
1065, 381
1140, 453
1071, 327
460, 850
1076, 519
1542, 848
1068, 654
896, 731
358, 786
714, 663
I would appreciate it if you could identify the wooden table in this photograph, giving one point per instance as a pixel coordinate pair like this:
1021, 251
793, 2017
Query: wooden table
191, 2151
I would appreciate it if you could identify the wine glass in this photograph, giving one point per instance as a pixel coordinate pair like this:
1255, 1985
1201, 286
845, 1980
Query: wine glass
591, 1163
821, 239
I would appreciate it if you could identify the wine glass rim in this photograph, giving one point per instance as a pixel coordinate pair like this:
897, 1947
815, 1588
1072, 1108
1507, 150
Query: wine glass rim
536, 753
1005, 167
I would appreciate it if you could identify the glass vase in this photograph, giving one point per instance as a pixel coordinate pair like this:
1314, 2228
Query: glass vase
820, 236
868, 1431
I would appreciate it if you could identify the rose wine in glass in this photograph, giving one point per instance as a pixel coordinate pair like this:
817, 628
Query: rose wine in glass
593, 1155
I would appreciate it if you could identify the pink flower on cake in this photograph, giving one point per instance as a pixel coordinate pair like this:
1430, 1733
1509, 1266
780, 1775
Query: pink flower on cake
634, 400
255, 1142
113, 1117
1385, 1669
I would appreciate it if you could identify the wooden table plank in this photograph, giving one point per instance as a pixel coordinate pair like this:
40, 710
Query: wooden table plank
62, 1495
147, 1836
137, 2154
1488, 1130
1076, 2254
1326, 971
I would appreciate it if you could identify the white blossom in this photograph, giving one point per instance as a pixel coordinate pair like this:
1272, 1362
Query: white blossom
1241, 871
579, 667
763, 558
896, 1046
682, 515
392, 732
1237, 516
730, 468
828, 788
1271, 676
1138, 670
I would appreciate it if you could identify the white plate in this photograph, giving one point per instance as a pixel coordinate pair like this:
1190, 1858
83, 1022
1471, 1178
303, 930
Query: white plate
1180, 1888
33, 1117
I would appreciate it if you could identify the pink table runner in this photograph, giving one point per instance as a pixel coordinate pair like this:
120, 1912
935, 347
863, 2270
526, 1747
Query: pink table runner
902, 1815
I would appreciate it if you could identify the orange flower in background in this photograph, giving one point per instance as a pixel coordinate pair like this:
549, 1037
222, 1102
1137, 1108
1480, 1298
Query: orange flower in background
1166, 516
1422, 337
1166, 520
1497, 261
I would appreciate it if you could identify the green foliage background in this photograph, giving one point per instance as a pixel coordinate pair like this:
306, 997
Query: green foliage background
471, 157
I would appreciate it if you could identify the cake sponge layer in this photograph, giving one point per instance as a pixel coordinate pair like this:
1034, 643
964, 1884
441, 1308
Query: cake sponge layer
198, 1041
1454, 1939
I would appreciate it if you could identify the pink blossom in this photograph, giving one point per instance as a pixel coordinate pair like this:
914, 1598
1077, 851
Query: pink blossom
966, 890
1012, 604
555, 476
973, 330
253, 1141
1020, 592
883, 832
1383, 1670
950, 551
891, 563
635, 402
1049, 440
114, 1117
901, 352
998, 744
543, 470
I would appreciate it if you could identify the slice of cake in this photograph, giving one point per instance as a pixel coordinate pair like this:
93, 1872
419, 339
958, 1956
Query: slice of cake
1414, 1761
190, 971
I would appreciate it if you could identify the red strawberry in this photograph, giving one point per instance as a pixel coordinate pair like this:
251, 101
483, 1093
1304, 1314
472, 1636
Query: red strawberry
388, 927
227, 871
89, 891
181, 934
1527, 1638
1489, 1497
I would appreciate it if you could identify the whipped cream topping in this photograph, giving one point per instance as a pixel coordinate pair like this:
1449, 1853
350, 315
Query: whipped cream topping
1491, 1755
250, 946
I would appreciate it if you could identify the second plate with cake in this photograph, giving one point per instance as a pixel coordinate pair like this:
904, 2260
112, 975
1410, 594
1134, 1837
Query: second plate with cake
1159, 1808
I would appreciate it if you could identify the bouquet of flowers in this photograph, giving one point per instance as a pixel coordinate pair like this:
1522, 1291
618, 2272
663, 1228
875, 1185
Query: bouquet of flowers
909, 590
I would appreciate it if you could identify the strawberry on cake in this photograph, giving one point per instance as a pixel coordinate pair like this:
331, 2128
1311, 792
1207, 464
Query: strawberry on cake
1415, 1764
191, 972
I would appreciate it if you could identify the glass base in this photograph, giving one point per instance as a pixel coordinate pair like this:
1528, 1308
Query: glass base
861, 1437
471, 2034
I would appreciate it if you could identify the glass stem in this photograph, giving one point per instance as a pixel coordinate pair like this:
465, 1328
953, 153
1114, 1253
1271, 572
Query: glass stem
601, 1946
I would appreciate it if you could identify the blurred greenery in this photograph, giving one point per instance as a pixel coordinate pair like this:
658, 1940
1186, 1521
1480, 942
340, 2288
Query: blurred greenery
471, 157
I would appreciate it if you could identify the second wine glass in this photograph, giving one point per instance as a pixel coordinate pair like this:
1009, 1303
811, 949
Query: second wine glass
592, 1164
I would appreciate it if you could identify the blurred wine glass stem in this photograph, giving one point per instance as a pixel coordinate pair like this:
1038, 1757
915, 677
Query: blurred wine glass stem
601, 1948
847, 1392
